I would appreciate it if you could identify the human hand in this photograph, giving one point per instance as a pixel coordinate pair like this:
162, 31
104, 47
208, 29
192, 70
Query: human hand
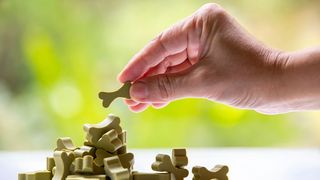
207, 55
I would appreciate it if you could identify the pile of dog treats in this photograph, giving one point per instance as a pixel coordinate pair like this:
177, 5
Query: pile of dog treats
104, 156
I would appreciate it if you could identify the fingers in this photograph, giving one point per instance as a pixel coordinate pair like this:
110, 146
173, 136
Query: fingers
139, 107
170, 42
167, 63
180, 67
161, 88
194, 34
130, 102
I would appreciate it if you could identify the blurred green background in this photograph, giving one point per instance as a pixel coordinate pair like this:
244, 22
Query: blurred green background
56, 55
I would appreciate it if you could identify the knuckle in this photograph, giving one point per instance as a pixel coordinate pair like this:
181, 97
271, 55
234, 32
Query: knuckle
215, 11
210, 6
166, 87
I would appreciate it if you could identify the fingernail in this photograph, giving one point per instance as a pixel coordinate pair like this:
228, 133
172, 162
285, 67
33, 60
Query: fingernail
139, 91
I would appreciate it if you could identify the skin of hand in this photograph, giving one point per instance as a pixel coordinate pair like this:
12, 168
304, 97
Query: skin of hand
209, 55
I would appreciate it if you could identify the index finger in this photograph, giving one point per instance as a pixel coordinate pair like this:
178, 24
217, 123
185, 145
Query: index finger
170, 42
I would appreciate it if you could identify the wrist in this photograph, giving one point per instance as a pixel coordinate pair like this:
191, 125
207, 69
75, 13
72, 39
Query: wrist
294, 81
273, 82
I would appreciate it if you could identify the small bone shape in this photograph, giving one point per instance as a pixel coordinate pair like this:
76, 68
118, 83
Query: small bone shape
164, 163
84, 165
179, 157
108, 97
65, 143
84, 150
114, 169
63, 160
109, 141
219, 172
100, 155
127, 160
95, 131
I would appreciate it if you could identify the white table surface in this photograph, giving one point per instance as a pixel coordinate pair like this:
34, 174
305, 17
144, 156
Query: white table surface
244, 163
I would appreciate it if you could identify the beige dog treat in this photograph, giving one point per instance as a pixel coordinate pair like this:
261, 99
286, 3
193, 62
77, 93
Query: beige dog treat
127, 160
114, 169
95, 131
86, 177
84, 165
85, 150
100, 155
65, 143
219, 172
109, 141
150, 176
63, 160
50, 163
108, 97
179, 157
37, 175
164, 163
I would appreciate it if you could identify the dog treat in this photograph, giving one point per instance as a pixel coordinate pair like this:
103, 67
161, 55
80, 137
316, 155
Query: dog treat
127, 160
108, 97
164, 163
219, 172
100, 155
85, 150
83, 165
63, 160
110, 141
104, 156
65, 143
95, 131
114, 169
179, 157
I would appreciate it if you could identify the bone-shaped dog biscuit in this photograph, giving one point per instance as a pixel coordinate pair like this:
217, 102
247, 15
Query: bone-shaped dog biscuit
179, 157
164, 163
100, 155
127, 160
95, 131
114, 169
219, 172
108, 97
84, 165
110, 141
65, 143
85, 150
63, 160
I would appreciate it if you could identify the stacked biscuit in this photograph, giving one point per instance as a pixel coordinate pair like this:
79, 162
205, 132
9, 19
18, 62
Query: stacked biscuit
104, 156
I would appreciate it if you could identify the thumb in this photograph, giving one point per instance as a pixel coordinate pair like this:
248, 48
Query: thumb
160, 88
